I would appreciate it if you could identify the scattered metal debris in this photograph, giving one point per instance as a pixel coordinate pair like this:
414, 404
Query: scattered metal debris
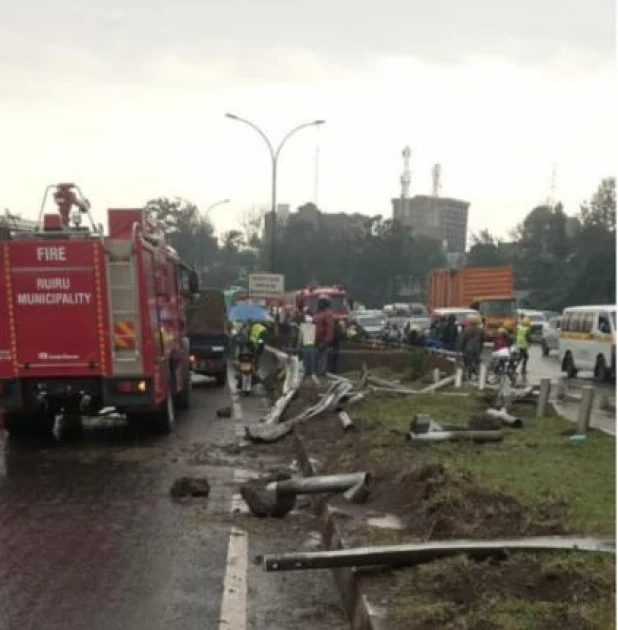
505, 418
439, 385
456, 436
224, 412
190, 487
318, 485
329, 402
412, 554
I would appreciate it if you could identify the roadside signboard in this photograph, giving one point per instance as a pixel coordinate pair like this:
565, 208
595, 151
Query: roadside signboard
265, 285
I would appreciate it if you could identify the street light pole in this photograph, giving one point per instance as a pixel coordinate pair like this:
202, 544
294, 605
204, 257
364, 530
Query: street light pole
274, 156
217, 203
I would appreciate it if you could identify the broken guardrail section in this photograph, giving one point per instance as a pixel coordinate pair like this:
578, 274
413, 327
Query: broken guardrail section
417, 553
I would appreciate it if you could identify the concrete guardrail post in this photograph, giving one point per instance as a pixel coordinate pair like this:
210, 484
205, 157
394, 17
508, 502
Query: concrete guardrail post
458, 377
585, 410
544, 391
482, 376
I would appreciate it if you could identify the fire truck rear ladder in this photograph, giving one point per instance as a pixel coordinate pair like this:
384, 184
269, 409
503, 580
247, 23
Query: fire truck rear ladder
123, 299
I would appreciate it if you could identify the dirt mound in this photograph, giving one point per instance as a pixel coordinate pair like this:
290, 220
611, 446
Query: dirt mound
436, 505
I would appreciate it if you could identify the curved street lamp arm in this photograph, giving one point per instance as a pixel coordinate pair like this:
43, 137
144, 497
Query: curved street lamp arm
254, 126
293, 131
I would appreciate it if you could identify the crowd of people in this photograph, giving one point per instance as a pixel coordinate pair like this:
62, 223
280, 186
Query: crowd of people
319, 337
468, 338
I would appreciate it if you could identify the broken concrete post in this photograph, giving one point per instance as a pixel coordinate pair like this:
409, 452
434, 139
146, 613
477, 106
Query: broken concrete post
455, 436
545, 390
561, 389
417, 553
264, 502
504, 417
585, 410
458, 377
482, 376
346, 421
439, 385
364, 377
608, 404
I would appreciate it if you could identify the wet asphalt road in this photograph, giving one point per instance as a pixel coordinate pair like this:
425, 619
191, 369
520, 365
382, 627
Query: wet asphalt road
90, 538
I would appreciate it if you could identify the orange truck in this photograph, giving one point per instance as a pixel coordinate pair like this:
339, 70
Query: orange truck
490, 290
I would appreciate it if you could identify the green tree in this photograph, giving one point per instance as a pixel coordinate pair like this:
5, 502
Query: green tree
187, 231
485, 251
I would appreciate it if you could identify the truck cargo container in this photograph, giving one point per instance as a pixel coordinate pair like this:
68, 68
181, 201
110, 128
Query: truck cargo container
489, 290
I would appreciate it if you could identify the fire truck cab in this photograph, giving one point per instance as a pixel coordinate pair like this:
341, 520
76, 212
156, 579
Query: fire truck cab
89, 321
337, 294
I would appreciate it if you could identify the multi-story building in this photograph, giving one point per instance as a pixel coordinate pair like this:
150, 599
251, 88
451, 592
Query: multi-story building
442, 218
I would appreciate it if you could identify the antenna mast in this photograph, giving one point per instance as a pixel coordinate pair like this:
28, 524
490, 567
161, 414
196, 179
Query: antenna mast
406, 176
551, 200
436, 173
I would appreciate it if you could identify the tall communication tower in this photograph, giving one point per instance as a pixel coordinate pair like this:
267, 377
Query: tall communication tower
436, 173
406, 176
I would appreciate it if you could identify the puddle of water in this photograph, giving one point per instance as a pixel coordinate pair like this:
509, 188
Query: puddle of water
388, 521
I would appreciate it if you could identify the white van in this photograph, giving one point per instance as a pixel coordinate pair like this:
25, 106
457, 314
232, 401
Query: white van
588, 340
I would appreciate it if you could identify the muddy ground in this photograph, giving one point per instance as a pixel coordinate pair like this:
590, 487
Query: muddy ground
455, 491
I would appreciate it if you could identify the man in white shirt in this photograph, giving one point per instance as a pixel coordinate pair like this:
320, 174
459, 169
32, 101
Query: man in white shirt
306, 343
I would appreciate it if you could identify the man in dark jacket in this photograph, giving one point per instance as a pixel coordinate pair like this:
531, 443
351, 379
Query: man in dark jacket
471, 343
449, 333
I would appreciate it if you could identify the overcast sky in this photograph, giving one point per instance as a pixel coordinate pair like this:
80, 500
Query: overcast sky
128, 99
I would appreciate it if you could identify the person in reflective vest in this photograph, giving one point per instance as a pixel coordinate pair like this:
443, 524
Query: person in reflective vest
522, 342
257, 336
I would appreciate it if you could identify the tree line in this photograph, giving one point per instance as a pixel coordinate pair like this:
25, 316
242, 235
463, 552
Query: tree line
558, 259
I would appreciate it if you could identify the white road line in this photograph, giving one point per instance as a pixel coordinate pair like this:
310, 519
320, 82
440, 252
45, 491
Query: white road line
234, 601
231, 381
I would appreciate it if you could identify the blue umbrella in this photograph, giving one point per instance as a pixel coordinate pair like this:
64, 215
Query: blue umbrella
246, 312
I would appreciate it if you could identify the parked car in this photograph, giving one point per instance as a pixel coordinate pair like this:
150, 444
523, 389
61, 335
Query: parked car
372, 322
537, 322
551, 336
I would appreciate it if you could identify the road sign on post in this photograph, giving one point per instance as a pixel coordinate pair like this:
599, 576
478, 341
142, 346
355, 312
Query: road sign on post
265, 285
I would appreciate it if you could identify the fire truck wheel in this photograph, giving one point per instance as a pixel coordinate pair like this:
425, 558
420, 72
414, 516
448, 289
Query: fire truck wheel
27, 424
183, 400
165, 419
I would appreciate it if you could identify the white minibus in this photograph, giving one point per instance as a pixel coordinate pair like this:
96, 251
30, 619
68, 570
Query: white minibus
588, 340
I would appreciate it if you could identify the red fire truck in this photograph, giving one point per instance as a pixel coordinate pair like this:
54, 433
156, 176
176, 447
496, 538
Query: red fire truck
90, 321
339, 301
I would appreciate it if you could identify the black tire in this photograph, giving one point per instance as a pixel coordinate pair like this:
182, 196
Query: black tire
600, 370
19, 424
220, 379
568, 366
165, 418
545, 349
183, 400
